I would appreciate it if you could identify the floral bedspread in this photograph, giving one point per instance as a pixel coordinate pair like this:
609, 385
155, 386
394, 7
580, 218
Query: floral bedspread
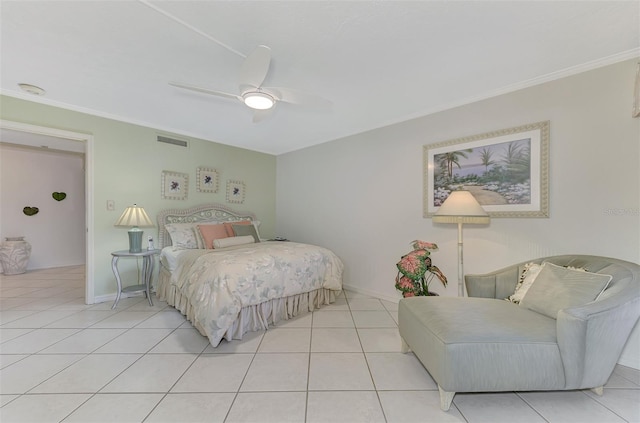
218, 283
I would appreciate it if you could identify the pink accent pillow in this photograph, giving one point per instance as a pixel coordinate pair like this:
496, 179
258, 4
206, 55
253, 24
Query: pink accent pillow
229, 226
212, 232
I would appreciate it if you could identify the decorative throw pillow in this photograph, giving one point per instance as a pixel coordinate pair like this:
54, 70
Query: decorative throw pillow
231, 241
229, 226
255, 223
527, 278
182, 235
242, 230
199, 239
556, 288
212, 232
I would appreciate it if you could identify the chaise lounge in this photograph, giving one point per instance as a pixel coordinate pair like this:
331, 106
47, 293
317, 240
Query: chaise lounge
567, 332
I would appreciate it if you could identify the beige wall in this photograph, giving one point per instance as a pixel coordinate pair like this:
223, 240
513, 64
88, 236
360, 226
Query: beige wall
362, 195
127, 165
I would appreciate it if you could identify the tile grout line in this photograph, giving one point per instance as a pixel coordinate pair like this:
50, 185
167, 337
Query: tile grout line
306, 396
165, 394
595, 399
366, 360
235, 396
358, 331
91, 353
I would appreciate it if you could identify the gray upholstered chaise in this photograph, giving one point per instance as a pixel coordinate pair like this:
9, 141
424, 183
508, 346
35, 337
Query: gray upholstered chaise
485, 343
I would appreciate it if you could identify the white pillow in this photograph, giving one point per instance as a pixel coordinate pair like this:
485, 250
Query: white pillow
234, 240
527, 278
182, 235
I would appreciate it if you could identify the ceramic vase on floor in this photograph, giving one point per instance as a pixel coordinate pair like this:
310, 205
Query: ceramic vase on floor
14, 255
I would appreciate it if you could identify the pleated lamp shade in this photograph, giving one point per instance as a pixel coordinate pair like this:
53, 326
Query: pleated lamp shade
134, 217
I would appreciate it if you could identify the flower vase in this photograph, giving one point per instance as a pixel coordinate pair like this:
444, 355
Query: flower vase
14, 255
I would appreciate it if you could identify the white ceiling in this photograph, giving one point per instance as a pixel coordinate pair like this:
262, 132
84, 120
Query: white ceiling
378, 62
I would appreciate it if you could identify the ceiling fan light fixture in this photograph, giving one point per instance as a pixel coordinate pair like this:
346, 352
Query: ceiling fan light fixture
258, 100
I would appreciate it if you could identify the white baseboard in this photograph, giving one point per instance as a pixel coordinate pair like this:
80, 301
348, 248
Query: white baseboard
112, 297
630, 361
370, 293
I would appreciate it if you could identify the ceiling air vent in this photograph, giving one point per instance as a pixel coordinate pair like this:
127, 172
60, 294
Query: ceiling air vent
167, 140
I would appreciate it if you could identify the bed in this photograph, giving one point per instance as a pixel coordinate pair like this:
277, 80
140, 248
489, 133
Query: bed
228, 291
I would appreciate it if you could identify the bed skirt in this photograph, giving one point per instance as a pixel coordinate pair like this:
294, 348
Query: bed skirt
252, 318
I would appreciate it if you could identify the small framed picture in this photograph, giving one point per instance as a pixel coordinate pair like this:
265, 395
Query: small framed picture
235, 191
207, 180
175, 186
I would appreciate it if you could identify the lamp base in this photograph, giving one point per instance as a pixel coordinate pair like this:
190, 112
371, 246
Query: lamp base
135, 240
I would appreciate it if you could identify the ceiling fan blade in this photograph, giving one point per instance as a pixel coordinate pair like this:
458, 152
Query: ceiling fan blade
289, 95
204, 90
260, 115
255, 67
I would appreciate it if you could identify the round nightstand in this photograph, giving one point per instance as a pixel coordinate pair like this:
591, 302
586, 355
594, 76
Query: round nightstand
147, 272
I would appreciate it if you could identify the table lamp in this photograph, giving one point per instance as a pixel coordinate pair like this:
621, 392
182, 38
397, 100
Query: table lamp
134, 217
461, 207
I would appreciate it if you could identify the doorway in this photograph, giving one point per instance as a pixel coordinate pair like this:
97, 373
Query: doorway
38, 136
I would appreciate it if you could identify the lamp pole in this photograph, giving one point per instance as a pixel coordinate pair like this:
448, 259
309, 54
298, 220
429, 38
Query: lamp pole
461, 207
460, 263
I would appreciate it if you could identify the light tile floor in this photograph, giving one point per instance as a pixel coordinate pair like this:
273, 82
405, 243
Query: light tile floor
64, 361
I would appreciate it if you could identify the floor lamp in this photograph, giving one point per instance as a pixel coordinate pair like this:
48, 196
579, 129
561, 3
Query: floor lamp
461, 207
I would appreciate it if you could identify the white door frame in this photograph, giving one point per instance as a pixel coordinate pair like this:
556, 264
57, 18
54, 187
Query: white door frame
88, 189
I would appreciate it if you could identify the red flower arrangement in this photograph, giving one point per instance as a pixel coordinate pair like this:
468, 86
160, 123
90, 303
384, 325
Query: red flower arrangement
412, 279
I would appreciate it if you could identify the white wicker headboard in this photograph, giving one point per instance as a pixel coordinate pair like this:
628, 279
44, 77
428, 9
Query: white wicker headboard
202, 213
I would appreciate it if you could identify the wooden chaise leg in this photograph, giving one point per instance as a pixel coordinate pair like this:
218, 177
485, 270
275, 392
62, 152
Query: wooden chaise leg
598, 390
445, 399
404, 347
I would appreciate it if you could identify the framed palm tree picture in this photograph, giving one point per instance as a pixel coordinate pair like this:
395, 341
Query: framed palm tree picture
507, 171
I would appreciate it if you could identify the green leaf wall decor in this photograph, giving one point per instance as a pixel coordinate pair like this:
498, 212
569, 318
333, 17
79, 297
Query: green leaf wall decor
59, 196
30, 211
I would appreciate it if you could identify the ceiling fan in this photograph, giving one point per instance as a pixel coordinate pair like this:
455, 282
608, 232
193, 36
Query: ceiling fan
261, 99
